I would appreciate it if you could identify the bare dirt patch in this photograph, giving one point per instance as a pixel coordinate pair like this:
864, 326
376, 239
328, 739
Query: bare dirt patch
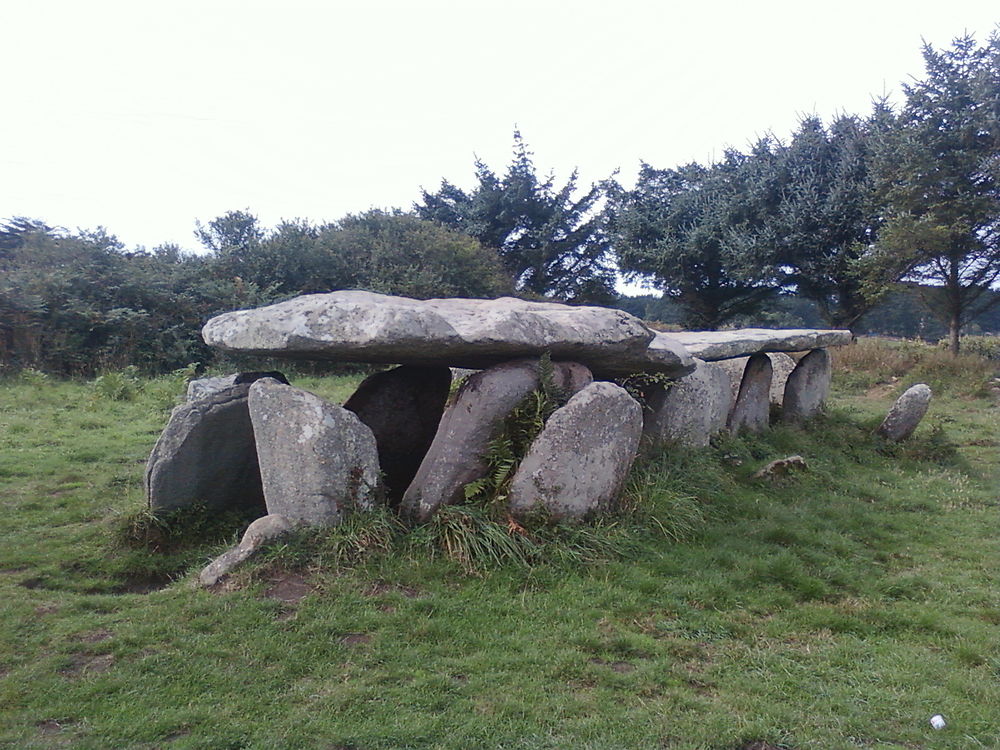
86, 664
380, 588
96, 636
290, 588
145, 583
356, 639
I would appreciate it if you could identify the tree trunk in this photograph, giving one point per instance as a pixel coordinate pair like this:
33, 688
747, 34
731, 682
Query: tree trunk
954, 328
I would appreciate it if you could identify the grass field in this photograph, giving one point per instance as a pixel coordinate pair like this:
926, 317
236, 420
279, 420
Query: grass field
838, 608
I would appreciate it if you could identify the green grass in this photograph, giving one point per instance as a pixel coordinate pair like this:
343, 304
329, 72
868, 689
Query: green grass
838, 608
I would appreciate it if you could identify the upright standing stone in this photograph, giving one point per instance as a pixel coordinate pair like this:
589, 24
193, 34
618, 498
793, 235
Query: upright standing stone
403, 408
317, 460
578, 464
906, 413
781, 367
691, 410
752, 410
807, 386
206, 455
456, 455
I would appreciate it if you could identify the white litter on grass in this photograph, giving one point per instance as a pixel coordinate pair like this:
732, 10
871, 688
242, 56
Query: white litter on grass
938, 722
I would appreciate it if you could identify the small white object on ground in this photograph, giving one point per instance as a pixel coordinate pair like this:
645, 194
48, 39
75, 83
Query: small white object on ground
938, 722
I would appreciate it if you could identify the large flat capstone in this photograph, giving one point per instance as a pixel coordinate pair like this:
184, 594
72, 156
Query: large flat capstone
357, 326
713, 345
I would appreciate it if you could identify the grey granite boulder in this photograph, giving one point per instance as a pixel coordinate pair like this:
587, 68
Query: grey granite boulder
206, 455
202, 387
905, 415
318, 462
402, 407
752, 410
455, 457
578, 464
262, 531
712, 345
358, 326
808, 386
692, 409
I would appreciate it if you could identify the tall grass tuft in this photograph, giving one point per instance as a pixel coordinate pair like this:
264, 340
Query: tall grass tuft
872, 362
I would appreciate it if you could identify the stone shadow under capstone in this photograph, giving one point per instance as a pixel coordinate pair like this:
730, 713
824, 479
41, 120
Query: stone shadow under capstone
402, 407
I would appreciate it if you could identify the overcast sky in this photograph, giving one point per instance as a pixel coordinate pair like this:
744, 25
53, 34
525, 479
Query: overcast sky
143, 117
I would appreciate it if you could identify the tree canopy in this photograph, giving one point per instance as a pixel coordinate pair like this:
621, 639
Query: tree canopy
551, 242
940, 178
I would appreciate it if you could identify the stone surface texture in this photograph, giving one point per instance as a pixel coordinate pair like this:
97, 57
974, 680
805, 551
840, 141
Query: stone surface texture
692, 409
318, 462
206, 454
808, 386
402, 407
752, 410
359, 326
203, 387
578, 464
905, 415
258, 534
713, 345
455, 456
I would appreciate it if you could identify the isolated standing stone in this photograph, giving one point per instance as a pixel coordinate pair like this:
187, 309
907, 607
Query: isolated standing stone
808, 386
403, 408
455, 457
690, 410
752, 409
202, 387
578, 464
259, 533
318, 461
206, 455
906, 413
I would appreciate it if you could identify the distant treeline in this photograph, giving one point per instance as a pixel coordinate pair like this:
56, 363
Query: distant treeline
888, 223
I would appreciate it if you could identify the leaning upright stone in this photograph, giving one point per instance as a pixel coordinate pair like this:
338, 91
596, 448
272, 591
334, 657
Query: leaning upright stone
456, 455
752, 410
206, 455
906, 413
318, 461
578, 464
403, 408
781, 367
808, 386
691, 410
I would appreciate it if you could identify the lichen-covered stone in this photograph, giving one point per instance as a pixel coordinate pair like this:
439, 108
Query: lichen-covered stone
713, 345
456, 455
578, 464
317, 460
752, 410
781, 367
361, 326
690, 410
808, 386
202, 387
262, 531
905, 415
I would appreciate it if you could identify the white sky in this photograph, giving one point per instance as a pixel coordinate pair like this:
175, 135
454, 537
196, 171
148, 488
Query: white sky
144, 116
